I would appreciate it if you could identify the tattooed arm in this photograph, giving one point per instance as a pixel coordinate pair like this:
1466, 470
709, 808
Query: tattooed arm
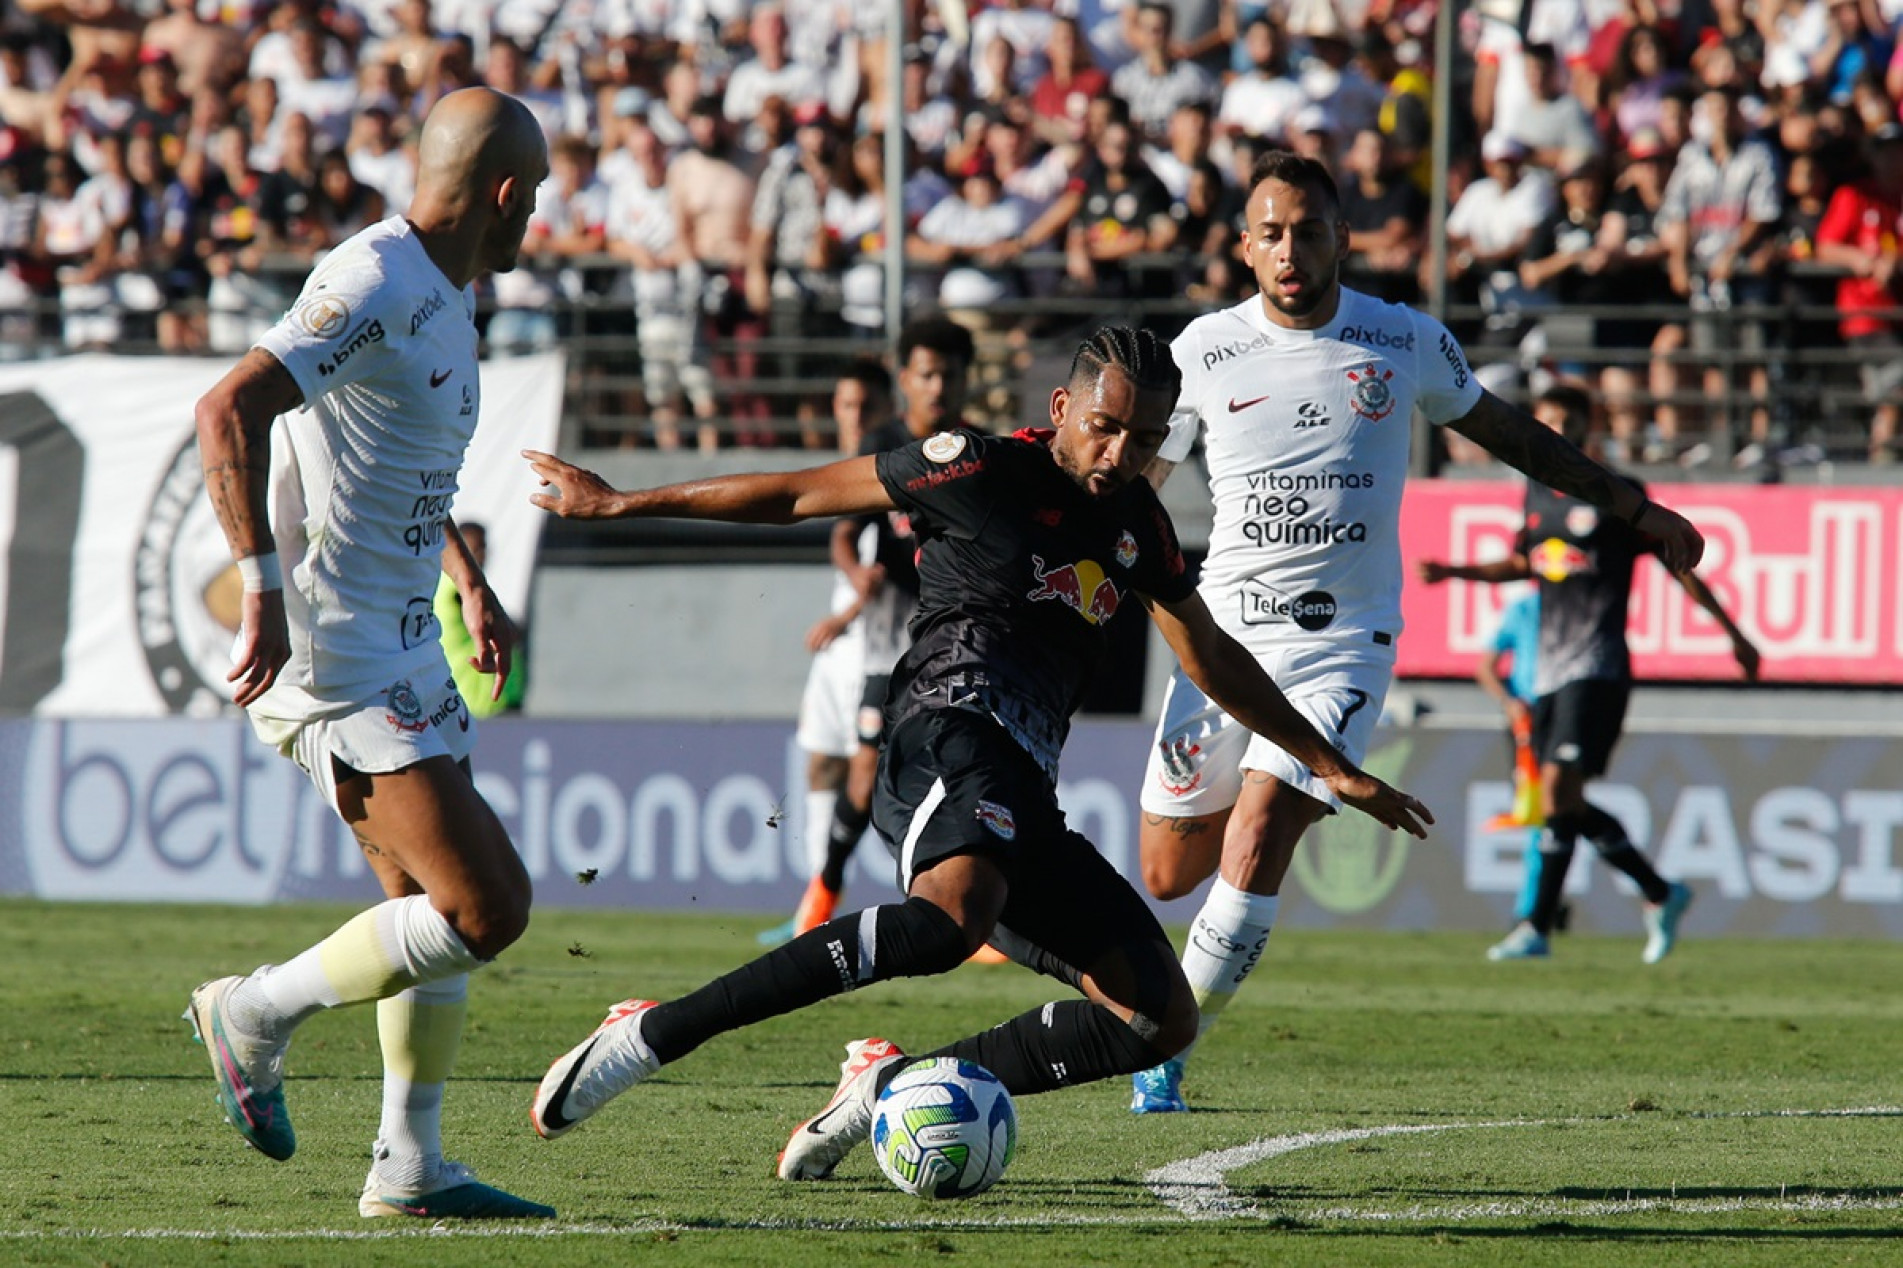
1521, 441
234, 444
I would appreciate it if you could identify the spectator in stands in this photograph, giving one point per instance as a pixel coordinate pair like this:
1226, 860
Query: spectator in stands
1641, 78
20, 272
1157, 82
1122, 213
208, 54
643, 231
787, 278
1203, 230
1859, 235
342, 204
1853, 49
1731, 28
1567, 265
1330, 77
1636, 264
968, 238
931, 116
713, 203
284, 198
507, 68
568, 224
680, 89
770, 72
1062, 94
1261, 101
327, 100
1721, 202
1022, 26
411, 47
1311, 134
69, 235
854, 239
1553, 126
1489, 228
378, 160
1189, 140
263, 124
1386, 218
163, 110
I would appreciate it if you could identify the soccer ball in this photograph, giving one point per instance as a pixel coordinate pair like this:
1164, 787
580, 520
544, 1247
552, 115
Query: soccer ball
944, 1128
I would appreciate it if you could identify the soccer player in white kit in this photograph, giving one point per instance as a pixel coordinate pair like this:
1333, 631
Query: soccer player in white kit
1304, 396
342, 669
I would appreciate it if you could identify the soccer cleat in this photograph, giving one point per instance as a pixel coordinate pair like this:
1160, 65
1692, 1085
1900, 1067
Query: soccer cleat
250, 1072
1158, 1090
816, 907
818, 1144
782, 932
594, 1072
458, 1197
1661, 923
1524, 943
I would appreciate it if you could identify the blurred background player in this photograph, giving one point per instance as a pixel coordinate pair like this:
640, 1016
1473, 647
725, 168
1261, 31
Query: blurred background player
484, 697
877, 553
829, 708
1516, 641
1583, 561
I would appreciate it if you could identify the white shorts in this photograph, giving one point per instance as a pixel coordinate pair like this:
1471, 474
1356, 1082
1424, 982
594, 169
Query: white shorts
829, 709
409, 721
1200, 752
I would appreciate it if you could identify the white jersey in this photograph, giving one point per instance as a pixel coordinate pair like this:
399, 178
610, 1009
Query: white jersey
383, 348
1306, 437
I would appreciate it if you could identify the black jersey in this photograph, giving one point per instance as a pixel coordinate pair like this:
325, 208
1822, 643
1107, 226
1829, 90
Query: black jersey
1582, 559
1020, 570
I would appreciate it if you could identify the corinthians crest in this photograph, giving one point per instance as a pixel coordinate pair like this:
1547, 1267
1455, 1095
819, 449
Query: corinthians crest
1373, 399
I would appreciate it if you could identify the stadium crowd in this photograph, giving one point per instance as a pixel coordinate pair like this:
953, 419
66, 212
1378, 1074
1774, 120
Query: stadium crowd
168, 166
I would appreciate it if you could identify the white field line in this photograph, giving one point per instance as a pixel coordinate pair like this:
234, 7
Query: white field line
1197, 1187
1193, 1189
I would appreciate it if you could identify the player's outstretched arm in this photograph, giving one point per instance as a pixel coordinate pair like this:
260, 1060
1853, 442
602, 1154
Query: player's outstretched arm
493, 633
1236, 681
1746, 652
1521, 441
850, 487
234, 445
1514, 567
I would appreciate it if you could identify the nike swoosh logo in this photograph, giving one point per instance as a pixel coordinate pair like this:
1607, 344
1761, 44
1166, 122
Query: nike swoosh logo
816, 1126
439, 377
1236, 407
552, 1116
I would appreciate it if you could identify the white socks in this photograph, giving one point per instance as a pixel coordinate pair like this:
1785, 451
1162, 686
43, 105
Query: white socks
1225, 944
819, 822
420, 1030
395, 945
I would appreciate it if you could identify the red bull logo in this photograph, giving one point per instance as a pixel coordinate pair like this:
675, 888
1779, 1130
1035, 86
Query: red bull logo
1081, 586
1556, 560
998, 818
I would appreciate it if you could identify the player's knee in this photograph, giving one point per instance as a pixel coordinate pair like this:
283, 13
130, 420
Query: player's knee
1167, 878
490, 924
1176, 1027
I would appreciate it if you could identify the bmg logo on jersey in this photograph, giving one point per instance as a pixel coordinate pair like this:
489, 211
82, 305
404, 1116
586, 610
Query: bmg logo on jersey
360, 338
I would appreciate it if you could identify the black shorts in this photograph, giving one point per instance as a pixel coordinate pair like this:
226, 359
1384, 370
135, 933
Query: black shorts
1579, 724
951, 782
871, 721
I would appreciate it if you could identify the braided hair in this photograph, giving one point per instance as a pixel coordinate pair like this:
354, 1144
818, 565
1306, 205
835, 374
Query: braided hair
1138, 353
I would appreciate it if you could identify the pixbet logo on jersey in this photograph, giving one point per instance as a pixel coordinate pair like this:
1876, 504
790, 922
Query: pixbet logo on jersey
1081, 586
1368, 337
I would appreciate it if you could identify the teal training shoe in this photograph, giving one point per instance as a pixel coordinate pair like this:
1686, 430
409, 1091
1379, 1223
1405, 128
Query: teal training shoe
1158, 1090
458, 1197
1524, 943
1661, 923
250, 1072
782, 932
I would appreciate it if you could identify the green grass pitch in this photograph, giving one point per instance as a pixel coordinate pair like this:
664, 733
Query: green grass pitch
1370, 1099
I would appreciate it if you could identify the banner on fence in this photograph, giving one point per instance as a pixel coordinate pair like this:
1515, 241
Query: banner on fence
1814, 575
1778, 836
108, 544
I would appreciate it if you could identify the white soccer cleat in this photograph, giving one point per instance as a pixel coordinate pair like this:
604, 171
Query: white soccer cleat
1661, 923
454, 1194
1523, 943
594, 1072
818, 1144
249, 1071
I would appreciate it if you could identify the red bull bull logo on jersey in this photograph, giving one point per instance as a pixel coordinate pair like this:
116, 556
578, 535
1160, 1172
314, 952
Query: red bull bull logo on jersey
1556, 560
1081, 586
998, 818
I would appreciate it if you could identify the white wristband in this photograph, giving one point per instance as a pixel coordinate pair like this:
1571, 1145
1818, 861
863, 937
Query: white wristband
260, 573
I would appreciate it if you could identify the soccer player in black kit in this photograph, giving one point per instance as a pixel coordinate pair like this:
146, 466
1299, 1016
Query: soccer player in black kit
1582, 561
1029, 546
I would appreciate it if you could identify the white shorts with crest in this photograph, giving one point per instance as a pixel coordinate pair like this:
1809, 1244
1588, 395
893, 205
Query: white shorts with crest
416, 717
1200, 752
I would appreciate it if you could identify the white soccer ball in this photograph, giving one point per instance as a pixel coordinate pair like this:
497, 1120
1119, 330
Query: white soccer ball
944, 1128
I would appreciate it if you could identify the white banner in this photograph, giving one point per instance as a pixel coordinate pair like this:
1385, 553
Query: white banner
108, 546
